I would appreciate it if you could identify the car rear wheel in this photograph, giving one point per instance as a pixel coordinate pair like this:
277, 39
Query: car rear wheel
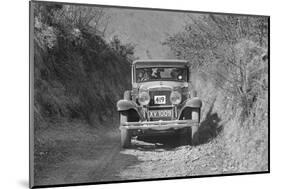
125, 134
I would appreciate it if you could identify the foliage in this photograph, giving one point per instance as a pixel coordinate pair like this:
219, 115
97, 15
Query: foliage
230, 50
229, 55
124, 50
77, 75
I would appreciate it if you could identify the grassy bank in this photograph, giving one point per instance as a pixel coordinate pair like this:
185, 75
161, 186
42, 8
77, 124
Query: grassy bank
229, 61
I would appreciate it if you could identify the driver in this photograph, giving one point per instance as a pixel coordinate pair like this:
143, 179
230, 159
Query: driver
177, 74
143, 76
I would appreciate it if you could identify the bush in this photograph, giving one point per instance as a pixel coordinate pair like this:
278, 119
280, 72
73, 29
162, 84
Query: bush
77, 75
228, 56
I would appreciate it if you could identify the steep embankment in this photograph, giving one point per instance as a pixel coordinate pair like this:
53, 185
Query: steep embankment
239, 145
77, 75
228, 56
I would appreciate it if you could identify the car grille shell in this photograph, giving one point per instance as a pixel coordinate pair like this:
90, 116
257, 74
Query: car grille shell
167, 106
153, 93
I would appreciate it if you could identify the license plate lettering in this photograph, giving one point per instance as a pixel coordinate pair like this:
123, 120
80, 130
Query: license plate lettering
160, 113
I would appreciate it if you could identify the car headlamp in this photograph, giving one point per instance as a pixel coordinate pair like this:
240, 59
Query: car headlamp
175, 97
144, 98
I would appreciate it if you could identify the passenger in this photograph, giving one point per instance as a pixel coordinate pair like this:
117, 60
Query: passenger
155, 74
145, 76
140, 76
174, 74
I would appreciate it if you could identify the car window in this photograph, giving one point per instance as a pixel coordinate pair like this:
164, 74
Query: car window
165, 74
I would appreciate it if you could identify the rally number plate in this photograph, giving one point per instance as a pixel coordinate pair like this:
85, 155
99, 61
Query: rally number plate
159, 99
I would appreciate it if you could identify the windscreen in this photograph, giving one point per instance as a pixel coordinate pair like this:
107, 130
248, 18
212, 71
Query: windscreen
161, 74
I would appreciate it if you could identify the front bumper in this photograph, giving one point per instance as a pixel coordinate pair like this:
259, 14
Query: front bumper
159, 125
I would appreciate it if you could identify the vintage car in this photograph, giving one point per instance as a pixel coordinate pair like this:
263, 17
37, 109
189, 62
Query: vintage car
161, 101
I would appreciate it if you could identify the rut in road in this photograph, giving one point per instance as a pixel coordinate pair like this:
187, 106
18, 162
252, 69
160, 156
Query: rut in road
163, 157
87, 161
104, 160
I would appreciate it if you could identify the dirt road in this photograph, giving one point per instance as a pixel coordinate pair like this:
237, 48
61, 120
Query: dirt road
86, 158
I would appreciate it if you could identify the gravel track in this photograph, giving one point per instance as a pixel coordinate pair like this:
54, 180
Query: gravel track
104, 160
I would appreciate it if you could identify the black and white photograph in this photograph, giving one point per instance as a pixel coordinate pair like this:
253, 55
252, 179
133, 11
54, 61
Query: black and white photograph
122, 94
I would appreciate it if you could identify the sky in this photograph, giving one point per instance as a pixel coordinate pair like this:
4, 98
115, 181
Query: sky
146, 29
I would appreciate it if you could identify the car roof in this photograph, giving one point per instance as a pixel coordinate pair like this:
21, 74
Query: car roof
160, 62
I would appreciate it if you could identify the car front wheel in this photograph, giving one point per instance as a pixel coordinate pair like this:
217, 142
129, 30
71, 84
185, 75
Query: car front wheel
194, 129
125, 138
125, 134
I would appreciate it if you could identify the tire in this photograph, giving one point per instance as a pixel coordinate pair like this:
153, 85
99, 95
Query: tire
125, 138
125, 134
127, 95
194, 129
194, 136
123, 117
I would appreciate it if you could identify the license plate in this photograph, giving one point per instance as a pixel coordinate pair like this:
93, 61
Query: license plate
159, 99
160, 113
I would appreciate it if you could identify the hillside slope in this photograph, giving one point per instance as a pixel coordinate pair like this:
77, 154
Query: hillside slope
77, 74
229, 60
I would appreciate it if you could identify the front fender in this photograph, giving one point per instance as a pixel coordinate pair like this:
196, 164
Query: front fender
195, 102
191, 103
126, 105
123, 105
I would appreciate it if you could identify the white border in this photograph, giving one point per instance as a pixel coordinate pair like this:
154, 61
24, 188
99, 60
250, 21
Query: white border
14, 92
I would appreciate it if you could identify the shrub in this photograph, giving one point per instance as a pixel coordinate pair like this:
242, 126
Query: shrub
77, 75
228, 55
